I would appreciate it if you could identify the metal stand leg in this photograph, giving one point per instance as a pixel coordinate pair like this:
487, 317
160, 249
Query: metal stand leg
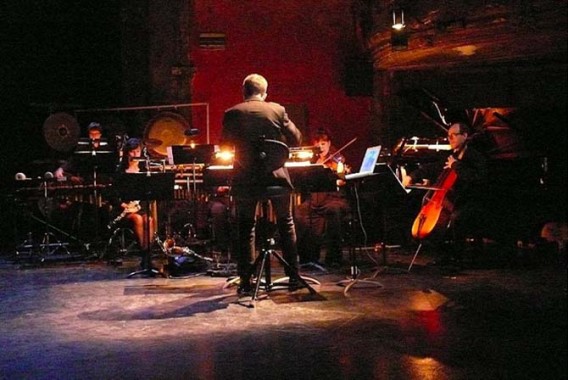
415, 255
48, 247
147, 269
355, 275
355, 271
123, 240
227, 269
262, 265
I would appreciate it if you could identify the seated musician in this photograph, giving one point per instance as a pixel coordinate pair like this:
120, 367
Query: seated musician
81, 172
74, 169
319, 217
132, 213
464, 208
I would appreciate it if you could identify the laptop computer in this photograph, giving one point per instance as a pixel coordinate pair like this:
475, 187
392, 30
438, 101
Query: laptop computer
368, 165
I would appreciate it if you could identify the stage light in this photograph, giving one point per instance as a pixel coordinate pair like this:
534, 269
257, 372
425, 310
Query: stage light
396, 24
225, 156
399, 36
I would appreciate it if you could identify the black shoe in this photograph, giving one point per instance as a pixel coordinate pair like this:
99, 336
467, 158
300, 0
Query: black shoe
294, 284
245, 287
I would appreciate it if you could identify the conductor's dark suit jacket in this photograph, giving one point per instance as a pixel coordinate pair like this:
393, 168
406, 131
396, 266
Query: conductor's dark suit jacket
244, 126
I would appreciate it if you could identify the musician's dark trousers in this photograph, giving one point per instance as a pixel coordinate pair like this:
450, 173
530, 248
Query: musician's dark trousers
319, 220
220, 224
246, 210
466, 222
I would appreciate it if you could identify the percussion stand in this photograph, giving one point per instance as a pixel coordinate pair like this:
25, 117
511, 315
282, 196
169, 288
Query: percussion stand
98, 159
228, 269
46, 243
193, 189
194, 193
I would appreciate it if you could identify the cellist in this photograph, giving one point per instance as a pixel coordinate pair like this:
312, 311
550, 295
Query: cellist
463, 203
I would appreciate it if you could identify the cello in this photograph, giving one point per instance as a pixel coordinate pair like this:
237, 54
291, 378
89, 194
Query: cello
436, 207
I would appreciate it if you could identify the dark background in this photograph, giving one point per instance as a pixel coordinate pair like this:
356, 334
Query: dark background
56, 56
61, 55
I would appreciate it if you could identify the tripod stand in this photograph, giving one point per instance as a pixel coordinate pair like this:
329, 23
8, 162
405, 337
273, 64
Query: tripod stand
146, 187
262, 262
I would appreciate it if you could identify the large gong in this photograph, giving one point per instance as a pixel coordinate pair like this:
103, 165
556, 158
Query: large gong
61, 131
169, 129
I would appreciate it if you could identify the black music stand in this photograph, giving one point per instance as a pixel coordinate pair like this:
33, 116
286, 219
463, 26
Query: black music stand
146, 187
312, 179
389, 190
94, 161
187, 154
354, 185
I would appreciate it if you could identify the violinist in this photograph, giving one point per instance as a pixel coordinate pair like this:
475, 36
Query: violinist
463, 203
319, 217
327, 155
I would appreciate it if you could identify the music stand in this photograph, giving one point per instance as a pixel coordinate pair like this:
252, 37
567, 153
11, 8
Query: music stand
355, 279
309, 179
187, 154
146, 187
95, 161
313, 178
389, 190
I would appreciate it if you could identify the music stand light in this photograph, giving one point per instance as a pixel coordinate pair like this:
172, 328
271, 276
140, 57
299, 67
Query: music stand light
187, 154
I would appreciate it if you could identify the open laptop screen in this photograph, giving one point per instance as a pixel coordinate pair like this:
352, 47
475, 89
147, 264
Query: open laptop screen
370, 159
368, 165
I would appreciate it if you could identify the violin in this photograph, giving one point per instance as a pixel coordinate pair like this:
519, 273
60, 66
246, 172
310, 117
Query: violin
334, 163
335, 160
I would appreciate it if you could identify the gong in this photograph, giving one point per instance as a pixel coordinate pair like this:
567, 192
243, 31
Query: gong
169, 129
61, 131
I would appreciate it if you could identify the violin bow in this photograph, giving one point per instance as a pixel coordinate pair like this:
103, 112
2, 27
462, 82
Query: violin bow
339, 150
